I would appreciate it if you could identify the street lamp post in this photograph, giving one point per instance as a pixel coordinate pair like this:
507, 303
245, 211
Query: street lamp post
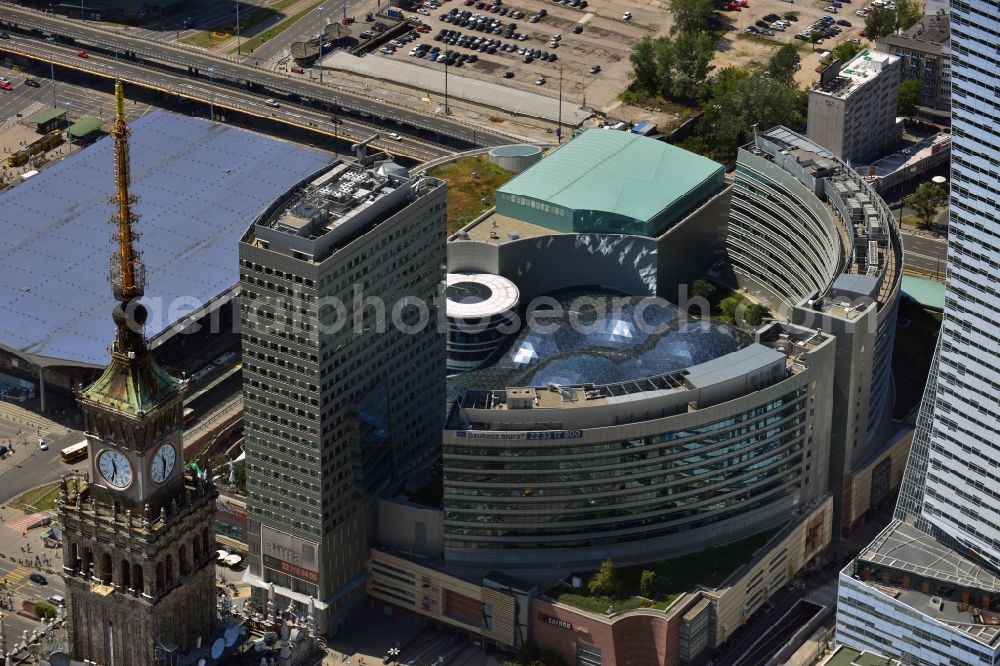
237, 27
319, 62
559, 125
211, 102
52, 72
447, 111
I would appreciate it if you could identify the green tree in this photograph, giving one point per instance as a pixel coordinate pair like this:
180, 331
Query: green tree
647, 583
644, 72
908, 12
240, 475
702, 289
926, 201
604, 583
755, 314
742, 102
690, 16
729, 305
784, 63
814, 37
692, 57
880, 23
844, 51
665, 64
44, 610
908, 96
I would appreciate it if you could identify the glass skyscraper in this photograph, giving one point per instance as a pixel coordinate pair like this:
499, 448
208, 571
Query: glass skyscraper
924, 590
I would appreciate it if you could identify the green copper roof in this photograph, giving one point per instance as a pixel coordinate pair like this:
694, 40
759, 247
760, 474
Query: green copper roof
47, 115
85, 126
135, 386
616, 172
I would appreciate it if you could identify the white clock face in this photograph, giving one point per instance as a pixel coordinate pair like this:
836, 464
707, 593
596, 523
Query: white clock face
163, 463
115, 468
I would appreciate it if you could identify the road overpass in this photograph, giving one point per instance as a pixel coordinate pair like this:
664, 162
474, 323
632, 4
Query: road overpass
114, 45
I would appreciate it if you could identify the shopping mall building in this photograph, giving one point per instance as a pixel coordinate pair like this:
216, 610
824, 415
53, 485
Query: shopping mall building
591, 417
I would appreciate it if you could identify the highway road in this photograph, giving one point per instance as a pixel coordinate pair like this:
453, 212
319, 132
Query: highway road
196, 63
925, 253
248, 103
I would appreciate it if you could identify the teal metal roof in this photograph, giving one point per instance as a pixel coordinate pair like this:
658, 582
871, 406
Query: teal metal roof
614, 171
928, 293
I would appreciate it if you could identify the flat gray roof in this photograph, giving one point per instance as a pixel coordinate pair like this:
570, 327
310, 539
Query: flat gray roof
733, 365
905, 548
199, 186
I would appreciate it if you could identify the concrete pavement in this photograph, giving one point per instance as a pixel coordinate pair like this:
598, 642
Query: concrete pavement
16, 567
477, 91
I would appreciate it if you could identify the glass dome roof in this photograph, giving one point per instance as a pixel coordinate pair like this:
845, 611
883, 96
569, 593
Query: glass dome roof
599, 338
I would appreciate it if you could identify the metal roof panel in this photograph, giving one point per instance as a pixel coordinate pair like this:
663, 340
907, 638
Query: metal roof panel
199, 185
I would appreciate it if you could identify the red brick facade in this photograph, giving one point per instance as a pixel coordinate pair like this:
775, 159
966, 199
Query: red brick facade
639, 638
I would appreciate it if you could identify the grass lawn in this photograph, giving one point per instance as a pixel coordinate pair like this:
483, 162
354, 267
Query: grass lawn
42, 498
248, 19
465, 193
673, 577
272, 32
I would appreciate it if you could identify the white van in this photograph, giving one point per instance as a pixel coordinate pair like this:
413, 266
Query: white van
56, 600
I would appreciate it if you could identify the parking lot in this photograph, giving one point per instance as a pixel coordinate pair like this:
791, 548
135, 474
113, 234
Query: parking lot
739, 48
531, 43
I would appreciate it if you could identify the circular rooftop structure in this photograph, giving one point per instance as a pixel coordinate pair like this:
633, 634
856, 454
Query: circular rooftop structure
474, 296
515, 157
480, 308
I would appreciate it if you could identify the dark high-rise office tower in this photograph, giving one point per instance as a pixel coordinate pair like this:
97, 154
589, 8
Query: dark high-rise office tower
344, 370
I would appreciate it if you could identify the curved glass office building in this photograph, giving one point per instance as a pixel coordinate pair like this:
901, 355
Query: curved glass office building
601, 438
809, 237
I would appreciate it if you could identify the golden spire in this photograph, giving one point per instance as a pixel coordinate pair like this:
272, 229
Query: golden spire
127, 271
128, 275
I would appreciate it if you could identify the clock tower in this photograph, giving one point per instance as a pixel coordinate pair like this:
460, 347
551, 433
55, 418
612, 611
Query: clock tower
138, 534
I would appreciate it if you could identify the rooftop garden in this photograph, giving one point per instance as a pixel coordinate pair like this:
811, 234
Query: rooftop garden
472, 185
658, 584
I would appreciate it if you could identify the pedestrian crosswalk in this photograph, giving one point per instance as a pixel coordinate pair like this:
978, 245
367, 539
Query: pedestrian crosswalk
15, 578
26, 522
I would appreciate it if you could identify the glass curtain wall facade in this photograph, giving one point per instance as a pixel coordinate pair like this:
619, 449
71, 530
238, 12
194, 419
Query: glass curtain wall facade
558, 495
952, 479
951, 488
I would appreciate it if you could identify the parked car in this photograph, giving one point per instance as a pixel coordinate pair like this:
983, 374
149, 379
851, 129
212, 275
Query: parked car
595, 69
577, 29
540, 81
844, 22
627, 16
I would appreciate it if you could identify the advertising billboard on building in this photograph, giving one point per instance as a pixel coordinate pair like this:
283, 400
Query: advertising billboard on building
289, 554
